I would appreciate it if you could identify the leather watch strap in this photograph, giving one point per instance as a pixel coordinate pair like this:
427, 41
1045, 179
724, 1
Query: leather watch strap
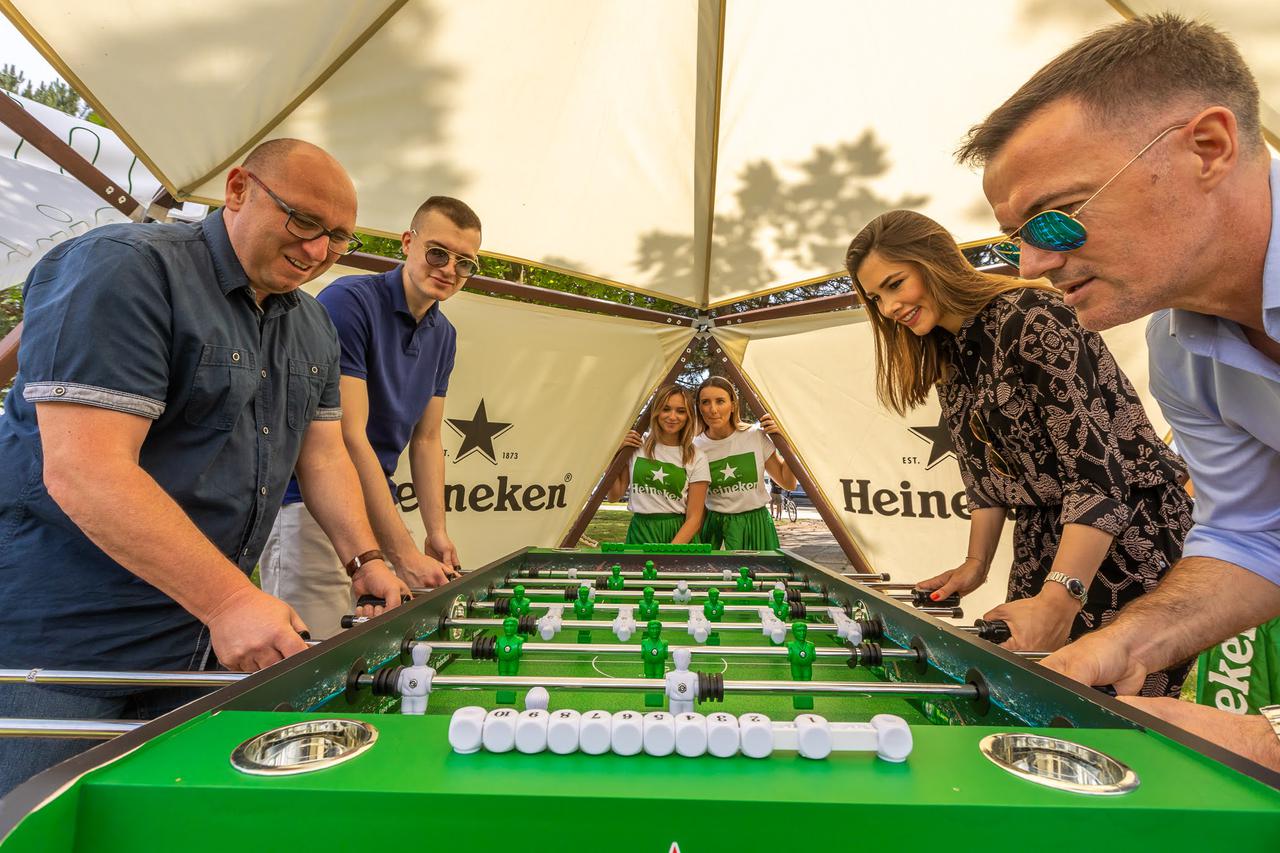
355, 563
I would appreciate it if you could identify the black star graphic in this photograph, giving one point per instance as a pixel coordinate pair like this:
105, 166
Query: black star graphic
939, 437
477, 434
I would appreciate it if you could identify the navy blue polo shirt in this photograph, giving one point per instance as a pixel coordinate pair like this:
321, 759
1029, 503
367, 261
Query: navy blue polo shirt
403, 362
157, 321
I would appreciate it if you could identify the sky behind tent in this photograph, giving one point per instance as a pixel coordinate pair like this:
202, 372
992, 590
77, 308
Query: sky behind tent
17, 51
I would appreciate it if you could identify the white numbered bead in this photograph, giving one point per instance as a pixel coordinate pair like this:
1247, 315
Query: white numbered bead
722, 734
531, 731
659, 733
813, 736
627, 735
573, 572
755, 735
500, 730
691, 734
537, 699
595, 732
562, 731
466, 729
894, 741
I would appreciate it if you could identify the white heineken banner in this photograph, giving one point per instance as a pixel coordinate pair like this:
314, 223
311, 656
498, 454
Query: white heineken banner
538, 403
894, 481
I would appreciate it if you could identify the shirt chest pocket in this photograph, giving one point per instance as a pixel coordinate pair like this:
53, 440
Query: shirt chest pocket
306, 384
223, 385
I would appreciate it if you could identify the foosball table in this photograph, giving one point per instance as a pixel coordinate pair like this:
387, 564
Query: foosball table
660, 699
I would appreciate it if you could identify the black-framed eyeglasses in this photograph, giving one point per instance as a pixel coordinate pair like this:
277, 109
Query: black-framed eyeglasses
438, 256
995, 461
304, 227
1057, 230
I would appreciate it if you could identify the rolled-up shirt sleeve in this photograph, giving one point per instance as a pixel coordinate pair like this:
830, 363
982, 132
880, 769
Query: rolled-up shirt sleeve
1236, 479
112, 294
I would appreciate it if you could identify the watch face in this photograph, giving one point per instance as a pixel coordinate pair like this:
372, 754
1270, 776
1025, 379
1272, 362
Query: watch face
1076, 587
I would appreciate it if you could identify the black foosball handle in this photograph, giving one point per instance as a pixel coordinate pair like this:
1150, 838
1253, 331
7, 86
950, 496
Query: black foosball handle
920, 598
994, 631
374, 601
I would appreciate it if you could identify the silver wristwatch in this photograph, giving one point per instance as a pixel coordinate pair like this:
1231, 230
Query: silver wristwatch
1272, 715
1075, 586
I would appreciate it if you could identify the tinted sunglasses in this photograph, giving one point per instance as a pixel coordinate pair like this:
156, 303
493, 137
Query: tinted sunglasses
438, 256
1057, 230
995, 461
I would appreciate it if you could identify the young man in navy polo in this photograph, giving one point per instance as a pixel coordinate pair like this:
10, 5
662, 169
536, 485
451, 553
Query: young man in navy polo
397, 354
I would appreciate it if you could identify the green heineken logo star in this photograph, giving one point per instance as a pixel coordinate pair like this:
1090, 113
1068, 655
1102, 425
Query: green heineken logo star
737, 470
658, 476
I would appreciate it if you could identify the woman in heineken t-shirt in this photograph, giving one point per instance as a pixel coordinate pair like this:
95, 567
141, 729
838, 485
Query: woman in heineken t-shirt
668, 476
739, 455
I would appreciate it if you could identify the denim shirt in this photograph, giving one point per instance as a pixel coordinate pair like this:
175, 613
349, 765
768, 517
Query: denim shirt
156, 321
1221, 396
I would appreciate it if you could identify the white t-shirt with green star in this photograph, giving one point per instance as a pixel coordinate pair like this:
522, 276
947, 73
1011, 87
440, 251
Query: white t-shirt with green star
737, 469
661, 484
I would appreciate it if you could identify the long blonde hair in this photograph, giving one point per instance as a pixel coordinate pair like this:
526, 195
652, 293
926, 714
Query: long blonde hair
687, 432
909, 365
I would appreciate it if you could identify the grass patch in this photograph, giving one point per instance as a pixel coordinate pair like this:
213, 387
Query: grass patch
609, 525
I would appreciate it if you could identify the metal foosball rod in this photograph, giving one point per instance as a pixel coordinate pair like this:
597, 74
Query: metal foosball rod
917, 597
604, 605
658, 685
98, 678
563, 575
74, 729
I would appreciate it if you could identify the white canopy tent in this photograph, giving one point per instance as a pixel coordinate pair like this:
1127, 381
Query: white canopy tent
695, 150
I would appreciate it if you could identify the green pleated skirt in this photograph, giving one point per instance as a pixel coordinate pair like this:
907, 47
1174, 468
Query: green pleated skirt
654, 527
752, 530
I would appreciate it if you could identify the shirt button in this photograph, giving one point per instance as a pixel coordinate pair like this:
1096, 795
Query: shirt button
264, 374
262, 491
266, 430
59, 391
315, 369
235, 356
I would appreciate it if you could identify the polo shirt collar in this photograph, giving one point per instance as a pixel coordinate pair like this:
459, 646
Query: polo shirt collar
394, 281
1271, 266
231, 275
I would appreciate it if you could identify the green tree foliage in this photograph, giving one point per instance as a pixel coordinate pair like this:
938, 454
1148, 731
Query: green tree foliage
54, 93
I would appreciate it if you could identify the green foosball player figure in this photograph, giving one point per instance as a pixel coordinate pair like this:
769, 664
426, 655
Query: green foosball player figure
616, 580
653, 649
584, 608
648, 607
650, 571
745, 583
713, 609
508, 649
779, 605
520, 603
800, 654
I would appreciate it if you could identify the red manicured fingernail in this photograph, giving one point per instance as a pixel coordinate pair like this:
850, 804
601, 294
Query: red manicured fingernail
933, 596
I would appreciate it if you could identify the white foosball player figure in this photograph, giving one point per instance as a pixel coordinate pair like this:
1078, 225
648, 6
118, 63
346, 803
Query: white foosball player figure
624, 624
682, 685
771, 626
846, 629
682, 594
699, 626
550, 623
573, 572
414, 683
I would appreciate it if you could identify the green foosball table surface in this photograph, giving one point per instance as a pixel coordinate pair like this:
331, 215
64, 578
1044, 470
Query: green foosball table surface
171, 785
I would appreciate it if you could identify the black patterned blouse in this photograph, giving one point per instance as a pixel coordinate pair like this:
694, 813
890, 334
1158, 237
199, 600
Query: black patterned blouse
1054, 405
1045, 422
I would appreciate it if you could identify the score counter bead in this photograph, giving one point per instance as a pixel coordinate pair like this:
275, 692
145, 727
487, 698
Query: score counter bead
691, 734
595, 732
659, 733
531, 731
755, 735
466, 729
627, 734
894, 741
722, 734
562, 731
499, 730
813, 736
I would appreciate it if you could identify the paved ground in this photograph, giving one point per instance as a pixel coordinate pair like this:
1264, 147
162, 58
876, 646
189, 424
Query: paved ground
808, 536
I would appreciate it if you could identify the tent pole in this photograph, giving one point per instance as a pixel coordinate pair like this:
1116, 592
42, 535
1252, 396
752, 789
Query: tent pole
9, 355
799, 308
500, 287
621, 457
850, 548
47, 143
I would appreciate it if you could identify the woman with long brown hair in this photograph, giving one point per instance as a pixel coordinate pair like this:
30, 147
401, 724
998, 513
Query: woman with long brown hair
667, 474
1044, 423
739, 454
